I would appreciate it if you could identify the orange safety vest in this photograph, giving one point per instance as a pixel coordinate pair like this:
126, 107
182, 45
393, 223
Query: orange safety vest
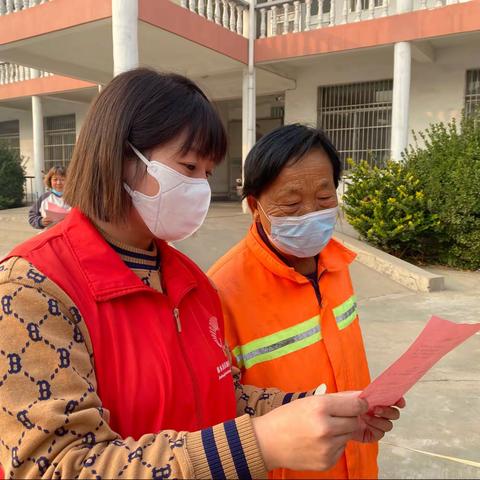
284, 334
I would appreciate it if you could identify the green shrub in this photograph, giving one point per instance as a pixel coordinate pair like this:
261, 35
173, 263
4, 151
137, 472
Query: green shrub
448, 166
390, 210
12, 178
426, 207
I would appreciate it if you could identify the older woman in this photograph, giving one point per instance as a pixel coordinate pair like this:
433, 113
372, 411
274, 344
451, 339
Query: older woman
51, 203
290, 310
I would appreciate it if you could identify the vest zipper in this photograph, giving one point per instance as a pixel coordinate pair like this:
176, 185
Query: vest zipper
176, 314
196, 389
316, 287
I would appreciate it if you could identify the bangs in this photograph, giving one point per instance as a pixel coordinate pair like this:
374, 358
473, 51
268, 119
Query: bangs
204, 131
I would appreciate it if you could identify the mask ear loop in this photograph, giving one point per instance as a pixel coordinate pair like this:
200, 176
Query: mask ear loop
142, 157
263, 211
139, 154
128, 189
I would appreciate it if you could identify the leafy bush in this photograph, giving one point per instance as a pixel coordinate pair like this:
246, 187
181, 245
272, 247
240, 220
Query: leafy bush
390, 210
448, 166
12, 178
426, 207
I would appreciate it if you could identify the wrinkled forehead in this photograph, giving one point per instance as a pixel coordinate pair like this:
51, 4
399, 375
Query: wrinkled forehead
310, 174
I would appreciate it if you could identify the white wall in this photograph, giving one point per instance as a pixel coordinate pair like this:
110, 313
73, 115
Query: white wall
50, 107
25, 124
80, 114
437, 90
301, 103
220, 180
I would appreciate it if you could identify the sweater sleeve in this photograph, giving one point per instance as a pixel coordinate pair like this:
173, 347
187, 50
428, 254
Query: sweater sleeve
256, 401
52, 422
34, 215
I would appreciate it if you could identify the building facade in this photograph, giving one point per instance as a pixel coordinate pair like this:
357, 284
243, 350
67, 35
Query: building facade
369, 72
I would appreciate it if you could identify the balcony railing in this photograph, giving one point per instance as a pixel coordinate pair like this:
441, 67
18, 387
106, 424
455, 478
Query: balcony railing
275, 17
11, 73
230, 14
279, 17
12, 6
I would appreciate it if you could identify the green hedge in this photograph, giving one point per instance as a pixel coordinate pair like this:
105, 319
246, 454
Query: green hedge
390, 210
449, 167
12, 177
427, 207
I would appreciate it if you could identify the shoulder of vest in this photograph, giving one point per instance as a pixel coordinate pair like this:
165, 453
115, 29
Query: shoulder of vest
18, 270
230, 259
203, 281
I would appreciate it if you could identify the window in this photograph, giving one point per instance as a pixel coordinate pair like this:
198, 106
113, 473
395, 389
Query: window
10, 134
472, 94
358, 118
59, 138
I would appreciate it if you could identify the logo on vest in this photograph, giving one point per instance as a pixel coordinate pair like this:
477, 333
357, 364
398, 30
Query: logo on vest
215, 332
224, 368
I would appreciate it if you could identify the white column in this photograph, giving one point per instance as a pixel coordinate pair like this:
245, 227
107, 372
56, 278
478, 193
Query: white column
38, 152
252, 76
404, 6
125, 35
263, 23
402, 66
285, 18
296, 18
38, 148
249, 94
308, 14
401, 98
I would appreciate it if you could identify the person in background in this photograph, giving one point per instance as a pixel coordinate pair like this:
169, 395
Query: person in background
289, 307
55, 182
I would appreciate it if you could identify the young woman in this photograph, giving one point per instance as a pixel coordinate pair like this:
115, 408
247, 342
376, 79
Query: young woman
112, 348
52, 198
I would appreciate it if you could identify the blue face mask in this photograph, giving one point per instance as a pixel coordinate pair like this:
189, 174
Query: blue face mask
304, 236
56, 192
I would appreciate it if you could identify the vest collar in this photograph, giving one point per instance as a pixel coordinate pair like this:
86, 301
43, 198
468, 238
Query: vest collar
334, 257
107, 275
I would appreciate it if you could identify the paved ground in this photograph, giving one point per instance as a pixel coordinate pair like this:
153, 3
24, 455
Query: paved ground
442, 417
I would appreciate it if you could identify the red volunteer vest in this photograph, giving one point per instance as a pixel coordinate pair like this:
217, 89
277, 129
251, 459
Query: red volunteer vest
149, 376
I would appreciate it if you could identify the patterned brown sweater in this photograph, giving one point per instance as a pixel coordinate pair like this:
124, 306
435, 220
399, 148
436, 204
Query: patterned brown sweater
53, 438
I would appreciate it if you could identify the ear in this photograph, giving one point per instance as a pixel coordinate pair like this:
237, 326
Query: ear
252, 205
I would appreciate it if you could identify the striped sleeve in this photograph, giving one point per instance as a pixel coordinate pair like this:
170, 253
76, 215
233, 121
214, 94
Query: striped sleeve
227, 450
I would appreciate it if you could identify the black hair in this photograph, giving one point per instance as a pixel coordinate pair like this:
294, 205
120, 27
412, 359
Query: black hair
281, 147
166, 105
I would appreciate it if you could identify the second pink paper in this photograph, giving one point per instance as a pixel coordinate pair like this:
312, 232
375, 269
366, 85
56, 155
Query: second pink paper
437, 339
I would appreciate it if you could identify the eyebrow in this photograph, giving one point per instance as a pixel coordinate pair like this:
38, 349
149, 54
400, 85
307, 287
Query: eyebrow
288, 189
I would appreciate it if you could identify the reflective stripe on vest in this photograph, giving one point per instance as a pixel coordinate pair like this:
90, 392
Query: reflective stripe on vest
278, 344
293, 338
346, 313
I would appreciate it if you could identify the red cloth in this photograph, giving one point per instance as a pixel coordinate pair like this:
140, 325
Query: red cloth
150, 377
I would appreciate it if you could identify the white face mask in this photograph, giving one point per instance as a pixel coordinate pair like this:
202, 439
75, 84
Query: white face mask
180, 206
304, 236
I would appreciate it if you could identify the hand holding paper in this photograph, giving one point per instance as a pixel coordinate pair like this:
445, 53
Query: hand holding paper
437, 339
55, 213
